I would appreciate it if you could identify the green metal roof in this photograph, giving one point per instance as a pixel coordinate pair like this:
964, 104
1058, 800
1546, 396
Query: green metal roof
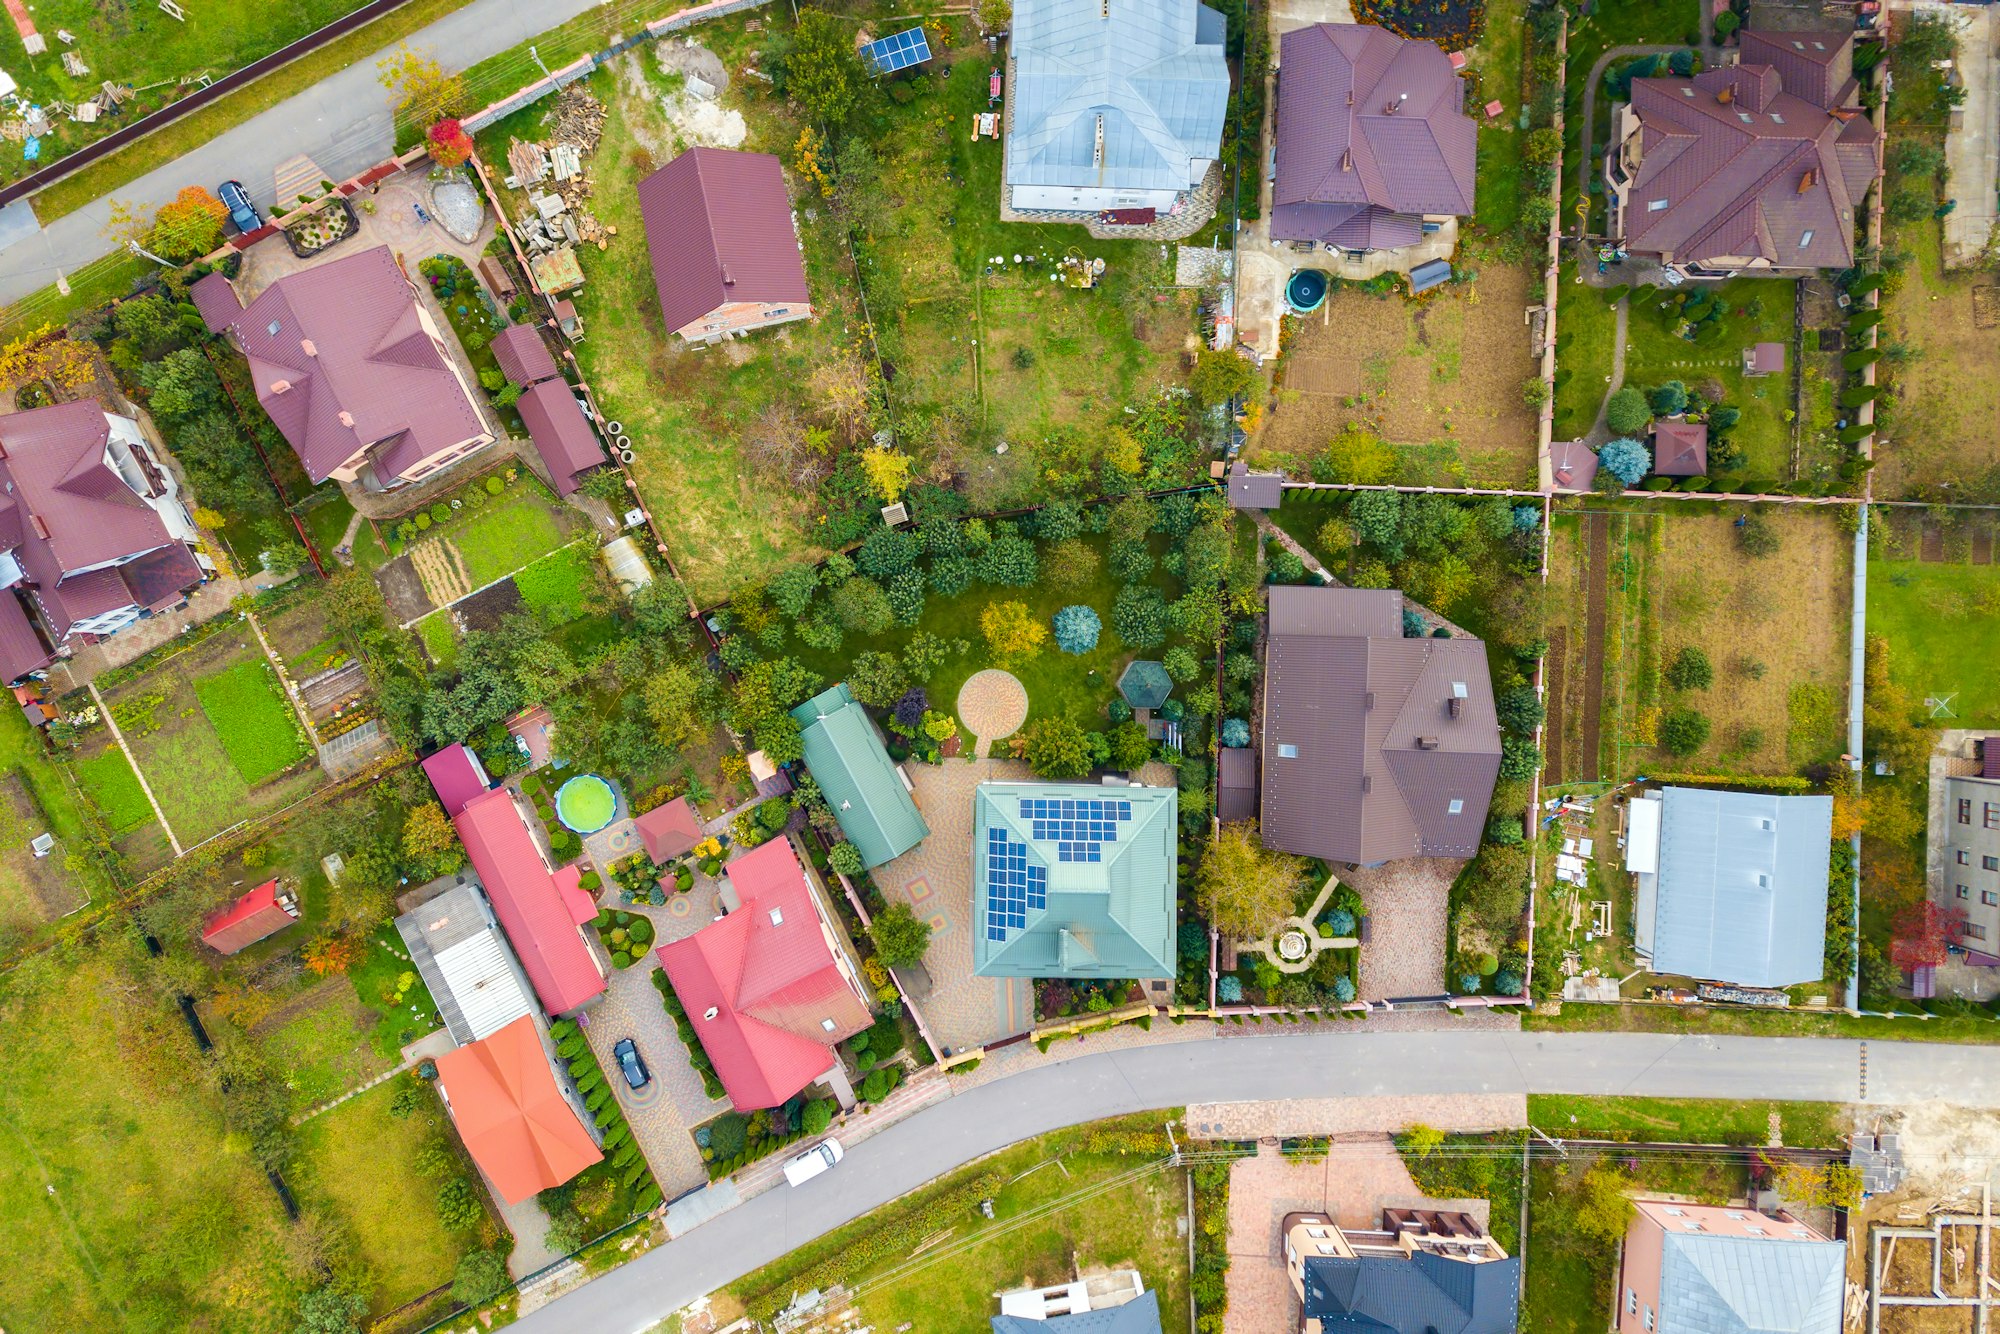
1145, 684
1073, 880
847, 759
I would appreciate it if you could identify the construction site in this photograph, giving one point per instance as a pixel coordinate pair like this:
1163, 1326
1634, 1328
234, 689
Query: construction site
1922, 1242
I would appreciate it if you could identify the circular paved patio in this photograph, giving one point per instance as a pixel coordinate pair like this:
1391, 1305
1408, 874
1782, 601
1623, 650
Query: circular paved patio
993, 704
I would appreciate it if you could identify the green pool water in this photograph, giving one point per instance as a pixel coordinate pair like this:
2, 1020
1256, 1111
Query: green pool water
586, 803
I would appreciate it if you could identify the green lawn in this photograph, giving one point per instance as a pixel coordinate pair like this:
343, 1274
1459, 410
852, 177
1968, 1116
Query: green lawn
1942, 633
318, 1049
91, 286
493, 540
562, 584
252, 719
1810, 1125
327, 519
156, 1221
1759, 310
107, 777
68, 817
388, 985
440, 639
1586, 330
358, 1162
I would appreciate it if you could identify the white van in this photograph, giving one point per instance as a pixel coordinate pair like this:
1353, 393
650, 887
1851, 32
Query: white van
813, 1161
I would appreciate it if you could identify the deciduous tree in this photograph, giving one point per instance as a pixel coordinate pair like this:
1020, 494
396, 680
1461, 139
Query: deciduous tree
900, 936
1056, 748
1243, 887
1012, 634
424, 92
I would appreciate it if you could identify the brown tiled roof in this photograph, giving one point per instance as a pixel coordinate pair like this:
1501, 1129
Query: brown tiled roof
523, 357
1680, 449
1363, 753
1767, 358
719, 229
1236, 784
21, 650
561, 435
373, 377
1372, 134
216, 300
1573, 464
1761, 160
1254, 490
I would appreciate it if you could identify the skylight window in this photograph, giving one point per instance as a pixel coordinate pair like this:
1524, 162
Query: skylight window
1656, 206
828, 1025
1457, 806
1288, 752
272, 328
777, 917
1776, 119
1805, 238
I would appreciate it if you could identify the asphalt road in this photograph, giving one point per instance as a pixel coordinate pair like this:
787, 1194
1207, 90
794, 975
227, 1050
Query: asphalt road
1306, 1065
343, 123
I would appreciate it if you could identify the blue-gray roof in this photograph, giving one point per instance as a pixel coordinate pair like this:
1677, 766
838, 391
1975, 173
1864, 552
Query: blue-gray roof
1073, 880
1424, 1294
1141, 1315
857, 777
1153, 69
1750, 1285
1742, 887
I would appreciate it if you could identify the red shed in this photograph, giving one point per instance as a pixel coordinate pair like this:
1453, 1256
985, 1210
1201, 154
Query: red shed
264, 911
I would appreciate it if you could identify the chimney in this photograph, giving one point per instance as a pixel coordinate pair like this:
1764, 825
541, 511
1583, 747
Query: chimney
40, 525
306, 346
1427, 743
1347, 160
280, 386
346, 418
1455, 707
1350, 97
1807, 181
1726, 94
1367, 783
1368, 702
728, 278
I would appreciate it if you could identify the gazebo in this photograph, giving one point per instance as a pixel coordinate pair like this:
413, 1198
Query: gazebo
1145, 684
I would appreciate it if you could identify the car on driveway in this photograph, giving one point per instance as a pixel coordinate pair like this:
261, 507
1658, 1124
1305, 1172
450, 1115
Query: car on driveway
241, 211
627, 1053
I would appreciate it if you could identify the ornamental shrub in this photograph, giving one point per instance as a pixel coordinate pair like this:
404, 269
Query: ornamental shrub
494, 486
1625, 459
845, 858
1468, 984
481, 1276
1181, 664
817, 1116
1626, 412
1235, 733
1339, 921
458, 1206
440, 512
1690, 670
1343, 990
727, 1134
1507, 983
1139, 615
1670, 399
1682, 732
1077, 628
1504, 830
1229, 989
1487, 964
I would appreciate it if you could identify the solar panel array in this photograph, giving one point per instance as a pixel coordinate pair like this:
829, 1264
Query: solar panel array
1013, 886
1079, 827
898, 51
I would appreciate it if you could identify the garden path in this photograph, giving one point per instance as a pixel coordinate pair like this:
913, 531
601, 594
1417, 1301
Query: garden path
1599, 431
992, 704
426, 1048
104, 712
291, 688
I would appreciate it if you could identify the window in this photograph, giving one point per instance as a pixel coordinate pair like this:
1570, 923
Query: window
777, 917
1649, 1317
1964, 893
1675, 1213
828, 1025
1736, 1214
1631, 1301
1657, 206
1288, 752
1776, 119
1754, 1231
1457, 807
1989, 814
1965, 810
1805, 238
1988, 863
1974, 931
1989, 897
1965, 858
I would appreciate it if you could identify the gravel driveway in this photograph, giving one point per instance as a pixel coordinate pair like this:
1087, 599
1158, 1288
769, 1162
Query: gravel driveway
1406, 902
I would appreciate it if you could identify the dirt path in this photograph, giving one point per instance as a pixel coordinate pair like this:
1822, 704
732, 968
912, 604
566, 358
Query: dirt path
1598, 526
104, 711
1600, 433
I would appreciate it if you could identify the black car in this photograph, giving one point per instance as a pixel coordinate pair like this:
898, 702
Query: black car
627, 1052
241, 211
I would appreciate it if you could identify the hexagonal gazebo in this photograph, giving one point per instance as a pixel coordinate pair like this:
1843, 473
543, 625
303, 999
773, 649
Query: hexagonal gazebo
1145, 684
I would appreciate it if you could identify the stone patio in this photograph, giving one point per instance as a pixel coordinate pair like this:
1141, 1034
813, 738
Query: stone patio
657, 1113
394, 223
1407, 906
935, 879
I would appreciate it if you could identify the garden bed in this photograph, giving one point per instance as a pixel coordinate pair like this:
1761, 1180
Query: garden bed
324, 230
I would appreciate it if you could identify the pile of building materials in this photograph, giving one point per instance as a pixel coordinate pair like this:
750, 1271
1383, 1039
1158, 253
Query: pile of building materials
560, 217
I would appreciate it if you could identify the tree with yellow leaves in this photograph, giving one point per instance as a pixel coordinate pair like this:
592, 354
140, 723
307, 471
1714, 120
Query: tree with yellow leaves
888, 472
809, 160
1011, 633
49, 357
424, 92
188, 227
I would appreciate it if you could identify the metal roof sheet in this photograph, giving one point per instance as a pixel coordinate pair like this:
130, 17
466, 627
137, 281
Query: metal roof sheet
867, 796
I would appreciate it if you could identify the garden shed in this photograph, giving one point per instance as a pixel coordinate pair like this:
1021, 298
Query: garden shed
264, 911
1431, 273
669, 831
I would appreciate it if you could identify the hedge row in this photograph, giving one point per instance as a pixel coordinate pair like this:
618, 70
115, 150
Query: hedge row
588, 1076
889, 1240
1773, 783
697, 1055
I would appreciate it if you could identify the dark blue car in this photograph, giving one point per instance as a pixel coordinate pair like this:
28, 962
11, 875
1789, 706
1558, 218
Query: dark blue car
627, 1052
241, 211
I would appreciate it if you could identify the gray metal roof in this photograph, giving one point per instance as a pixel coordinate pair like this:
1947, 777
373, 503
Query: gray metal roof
458, 950
1750, 1285
1424, 1294
1141, 1315
1742, 886
1152, 70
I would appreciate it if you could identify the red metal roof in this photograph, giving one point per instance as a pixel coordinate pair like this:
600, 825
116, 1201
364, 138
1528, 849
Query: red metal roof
761, 985
530, 901
562, 437
513, 1117
1680, 449
456, 776
522, 355
719, 228
248, 920
671, 830
21, 650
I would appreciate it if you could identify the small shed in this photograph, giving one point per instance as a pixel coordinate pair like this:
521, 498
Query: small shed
1145, 684
1680, 449
1763, 359
1573, 465
1254, 490
264, 911
1431, 273
494, 274
1236, 784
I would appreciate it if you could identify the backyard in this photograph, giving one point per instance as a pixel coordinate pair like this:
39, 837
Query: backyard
1934, 594
1754, 310
1590, 35
456, 547
1944, 432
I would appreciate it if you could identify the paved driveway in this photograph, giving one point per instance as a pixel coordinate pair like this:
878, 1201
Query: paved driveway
1971, 148
1408, 903
935, 879
659, 1112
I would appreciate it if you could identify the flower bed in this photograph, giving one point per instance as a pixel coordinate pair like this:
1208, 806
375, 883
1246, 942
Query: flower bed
323, 230
625, 935
1452, 24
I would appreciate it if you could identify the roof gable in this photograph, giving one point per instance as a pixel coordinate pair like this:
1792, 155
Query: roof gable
853, 769
560, 432
530, 901
719, 230
1750, 1285
55, 469
522, 355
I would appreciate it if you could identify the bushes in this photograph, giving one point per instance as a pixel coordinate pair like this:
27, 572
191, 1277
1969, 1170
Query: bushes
1077, 629
1626, 412
1690, 670
481, 1276
1683, 731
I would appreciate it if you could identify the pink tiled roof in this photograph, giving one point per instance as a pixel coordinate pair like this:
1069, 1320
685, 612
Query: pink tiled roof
373, 376
21, 651
562, 437
767, 975
248, 920
719, 228
530, 902
670, 830
456, 776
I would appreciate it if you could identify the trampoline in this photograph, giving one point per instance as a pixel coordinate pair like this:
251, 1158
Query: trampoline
586, 803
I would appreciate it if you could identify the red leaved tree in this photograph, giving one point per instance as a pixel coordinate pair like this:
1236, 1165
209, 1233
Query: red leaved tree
1924, 934
450, 144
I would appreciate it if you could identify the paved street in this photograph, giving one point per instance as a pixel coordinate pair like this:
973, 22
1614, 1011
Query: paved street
343, 123
1314, 1064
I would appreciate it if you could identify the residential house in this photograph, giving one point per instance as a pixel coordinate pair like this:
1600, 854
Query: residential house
1073, 880
726, 252
864, 788
1761, 359
352, 369
1114, 106
263, 912
1731, 886
1760, 165
1114, 1303
1969, 882
1572, 465
1373, 146
521, 1121
771, 988
546, 913
669, 831
1680, 448
456, 946
561, 434
94, 532
1710, 1269
1254, 490
1424, 1271
1375, 746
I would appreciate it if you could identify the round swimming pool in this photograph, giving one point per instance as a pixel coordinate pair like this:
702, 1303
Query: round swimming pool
586, 804
1306, 290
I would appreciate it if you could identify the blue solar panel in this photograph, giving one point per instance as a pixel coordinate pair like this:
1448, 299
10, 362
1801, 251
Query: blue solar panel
1013, 887
1078, 827
898, 51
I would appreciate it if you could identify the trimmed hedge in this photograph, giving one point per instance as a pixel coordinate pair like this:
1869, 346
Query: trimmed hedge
1861, 357
1769, 783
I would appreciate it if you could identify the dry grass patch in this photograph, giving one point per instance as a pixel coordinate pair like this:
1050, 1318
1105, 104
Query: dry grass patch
1945, 425
1775, 628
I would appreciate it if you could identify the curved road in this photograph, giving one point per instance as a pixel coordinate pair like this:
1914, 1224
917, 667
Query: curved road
1318, 1065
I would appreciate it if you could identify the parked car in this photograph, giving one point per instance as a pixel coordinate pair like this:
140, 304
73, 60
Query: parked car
813, 1161
636, 1074
241, 211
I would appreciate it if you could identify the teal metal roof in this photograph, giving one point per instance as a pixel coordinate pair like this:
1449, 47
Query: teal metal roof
1073, 880
1145, 684
847, 759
